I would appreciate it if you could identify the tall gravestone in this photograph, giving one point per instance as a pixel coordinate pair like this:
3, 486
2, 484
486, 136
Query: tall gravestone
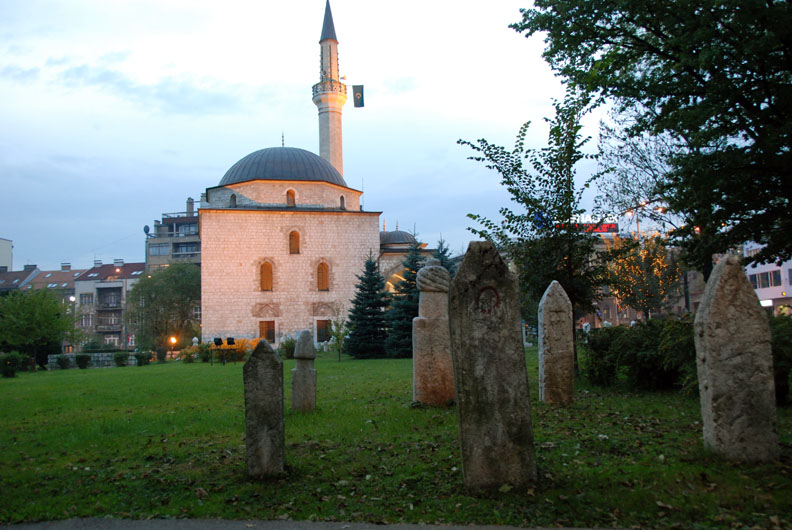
433, 371
735, 368
490, 377
264, 428
304, 374
556, 347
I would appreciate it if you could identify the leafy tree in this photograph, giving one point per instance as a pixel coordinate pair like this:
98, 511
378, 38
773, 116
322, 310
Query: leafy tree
162, 305
366, 322
35, 323
713, 74
443, 253
643, 273
541, 238
404, 307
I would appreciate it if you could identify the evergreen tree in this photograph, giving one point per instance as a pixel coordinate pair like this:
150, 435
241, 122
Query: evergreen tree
367, 317
443, 253
404, 307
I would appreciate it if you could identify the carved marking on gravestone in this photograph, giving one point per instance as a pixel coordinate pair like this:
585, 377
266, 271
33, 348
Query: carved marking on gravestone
264, 427
735, 368
433, 373
304, 374
490, 378
556, 347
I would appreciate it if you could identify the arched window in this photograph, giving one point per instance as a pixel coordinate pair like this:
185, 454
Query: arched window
323, 277
266, 276
294, 242
290, 198
343, 203
232, 201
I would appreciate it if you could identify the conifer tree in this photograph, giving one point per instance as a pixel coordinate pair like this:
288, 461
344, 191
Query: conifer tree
367, 317
404, 307
443, 253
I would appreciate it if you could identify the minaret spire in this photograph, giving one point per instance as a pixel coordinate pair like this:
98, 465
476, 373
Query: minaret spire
329, 95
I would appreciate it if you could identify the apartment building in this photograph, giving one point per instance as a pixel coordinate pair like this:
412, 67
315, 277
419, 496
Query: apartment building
174, 239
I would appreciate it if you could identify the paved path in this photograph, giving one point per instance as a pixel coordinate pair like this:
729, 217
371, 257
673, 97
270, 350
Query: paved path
218, 524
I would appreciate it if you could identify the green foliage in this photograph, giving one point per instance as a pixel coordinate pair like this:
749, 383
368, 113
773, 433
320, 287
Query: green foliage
121, 359
781, 329
404, 306
34, 322
542, 237
189, 353
366, 321
715, 76
205, 352
64, 361
143, 358
161, 306
645, 367
11, 362
94, 346
678, 349
82, 360
443, 253
286, 347
162, 354
600, 365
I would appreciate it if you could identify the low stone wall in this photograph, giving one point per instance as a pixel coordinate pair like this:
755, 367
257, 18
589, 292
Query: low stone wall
98, 360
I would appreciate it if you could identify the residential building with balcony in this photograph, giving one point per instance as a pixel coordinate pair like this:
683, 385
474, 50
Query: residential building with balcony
174, 239
100, 294
771, 281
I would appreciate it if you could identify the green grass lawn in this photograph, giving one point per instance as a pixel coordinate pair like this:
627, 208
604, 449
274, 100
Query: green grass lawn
168, 441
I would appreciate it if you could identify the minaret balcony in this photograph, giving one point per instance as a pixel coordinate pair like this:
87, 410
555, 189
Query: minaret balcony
330, 85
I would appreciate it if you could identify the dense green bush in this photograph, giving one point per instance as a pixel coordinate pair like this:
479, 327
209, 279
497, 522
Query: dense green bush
286, 348
82, 360
11, 362
143, 358
678, 350
600, 363
205, 352
781, 329
63, 361
645, 366
121, 359
162, 354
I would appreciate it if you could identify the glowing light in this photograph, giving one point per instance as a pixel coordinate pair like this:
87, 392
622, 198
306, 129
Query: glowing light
766, 303
173, 340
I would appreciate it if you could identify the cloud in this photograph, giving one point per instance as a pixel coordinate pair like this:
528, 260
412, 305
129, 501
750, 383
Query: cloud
19, 74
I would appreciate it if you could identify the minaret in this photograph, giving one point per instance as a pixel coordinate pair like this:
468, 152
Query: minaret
329, 95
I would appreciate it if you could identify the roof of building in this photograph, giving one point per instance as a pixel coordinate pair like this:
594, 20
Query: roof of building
60, 279
396, 237
112, 271
328, 29
13, 280
282, 163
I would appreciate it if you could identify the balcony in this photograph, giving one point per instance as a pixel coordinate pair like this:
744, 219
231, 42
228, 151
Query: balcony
109, 305
108, 327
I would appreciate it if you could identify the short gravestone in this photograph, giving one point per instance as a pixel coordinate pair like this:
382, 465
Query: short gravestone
490, 377
304, 374
735, 368
556, 347
264, 427
433, 371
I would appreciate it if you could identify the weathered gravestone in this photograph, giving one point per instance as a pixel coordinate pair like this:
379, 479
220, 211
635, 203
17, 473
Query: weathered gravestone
264, 429
304, 374
735, 368
556, 347
490, 378
433, 371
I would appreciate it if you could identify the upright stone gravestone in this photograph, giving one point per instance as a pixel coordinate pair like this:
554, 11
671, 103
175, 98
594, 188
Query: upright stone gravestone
491, 381
304, 374
556, 347
735, 368
264, 429
433, 371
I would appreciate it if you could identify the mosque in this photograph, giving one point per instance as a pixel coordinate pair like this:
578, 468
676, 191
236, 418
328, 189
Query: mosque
284, 238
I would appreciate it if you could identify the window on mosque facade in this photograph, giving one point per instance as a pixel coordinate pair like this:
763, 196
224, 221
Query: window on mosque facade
232, 201
343, 203
322, 330
290, 198
267, 330
323, 277
266, 276
294, 242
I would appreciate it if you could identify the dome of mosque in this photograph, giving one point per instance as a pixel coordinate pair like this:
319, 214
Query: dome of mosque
282, 163
396, 237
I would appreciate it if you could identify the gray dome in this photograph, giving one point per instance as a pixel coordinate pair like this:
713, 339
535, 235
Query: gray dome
396, 237
282, 163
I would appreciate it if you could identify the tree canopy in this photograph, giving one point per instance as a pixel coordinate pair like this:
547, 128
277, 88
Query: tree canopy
404, 305
714, 74
366, 323
163, 305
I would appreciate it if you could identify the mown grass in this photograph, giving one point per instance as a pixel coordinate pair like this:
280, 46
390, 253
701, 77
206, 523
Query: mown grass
168, 441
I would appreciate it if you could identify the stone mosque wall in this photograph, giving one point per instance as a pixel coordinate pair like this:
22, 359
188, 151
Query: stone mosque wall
273, 194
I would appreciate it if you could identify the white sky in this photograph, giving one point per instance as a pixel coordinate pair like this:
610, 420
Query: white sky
114, 112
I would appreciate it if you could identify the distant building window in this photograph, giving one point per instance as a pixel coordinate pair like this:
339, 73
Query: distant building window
188, 229
266, 276
86, 321
93, 275
775, 278
294, 242
754, 282
323, 277
290, 198
52, 285
48, 275
764, 280
136, 273
196, 312
111, 339
86, 299
343, 203
159, 249
789, 273
182, 249
322, 330
267, 330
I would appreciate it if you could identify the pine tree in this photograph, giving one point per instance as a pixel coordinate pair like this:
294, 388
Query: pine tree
404, 307
367, 316
443, 253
